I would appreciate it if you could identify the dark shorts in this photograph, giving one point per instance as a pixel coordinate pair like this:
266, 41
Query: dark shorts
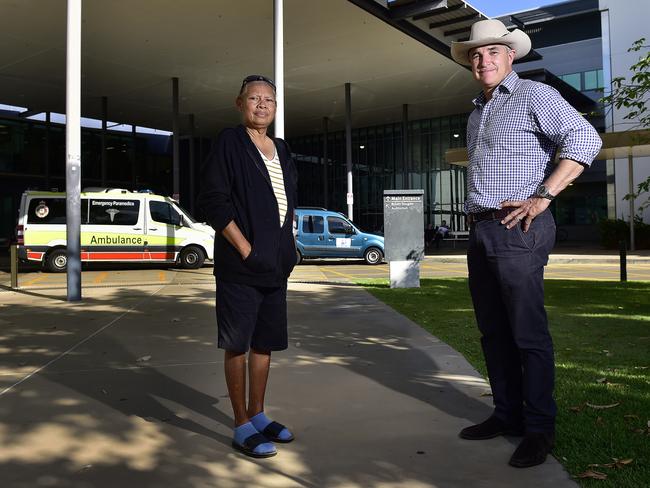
251, 317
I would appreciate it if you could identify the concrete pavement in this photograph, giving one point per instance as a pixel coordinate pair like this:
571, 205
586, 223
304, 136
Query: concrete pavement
126, 389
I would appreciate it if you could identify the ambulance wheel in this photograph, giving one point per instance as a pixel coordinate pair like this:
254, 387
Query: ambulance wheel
192, 257
373, 255
56, 261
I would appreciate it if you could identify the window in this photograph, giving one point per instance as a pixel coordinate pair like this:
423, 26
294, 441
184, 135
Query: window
164, 213
574, 80
338, 226
113, 212
593, 79
52, 211
601, 79
46, 211
312, 224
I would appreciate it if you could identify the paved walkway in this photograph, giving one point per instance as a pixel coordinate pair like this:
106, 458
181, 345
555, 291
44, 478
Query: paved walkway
126, 389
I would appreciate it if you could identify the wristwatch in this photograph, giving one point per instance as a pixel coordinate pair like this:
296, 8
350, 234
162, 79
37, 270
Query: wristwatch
543, 192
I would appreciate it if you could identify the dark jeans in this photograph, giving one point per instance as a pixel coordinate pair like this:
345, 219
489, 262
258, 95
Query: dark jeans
506, 281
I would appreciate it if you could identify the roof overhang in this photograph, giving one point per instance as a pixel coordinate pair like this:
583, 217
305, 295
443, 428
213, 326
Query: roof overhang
576, 98
436, 23
131, 50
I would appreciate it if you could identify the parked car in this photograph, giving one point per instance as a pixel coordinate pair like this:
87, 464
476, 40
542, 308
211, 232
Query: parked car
116, 226
322, 233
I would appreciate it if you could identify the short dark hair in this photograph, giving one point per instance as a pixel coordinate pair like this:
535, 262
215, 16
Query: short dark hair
254, 78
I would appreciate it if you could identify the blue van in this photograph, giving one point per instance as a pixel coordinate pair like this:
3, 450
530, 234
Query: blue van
321, 233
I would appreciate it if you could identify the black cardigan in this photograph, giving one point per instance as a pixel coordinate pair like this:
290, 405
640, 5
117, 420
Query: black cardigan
235, 185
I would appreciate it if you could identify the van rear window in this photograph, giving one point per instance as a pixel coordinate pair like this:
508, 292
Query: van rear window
113, 212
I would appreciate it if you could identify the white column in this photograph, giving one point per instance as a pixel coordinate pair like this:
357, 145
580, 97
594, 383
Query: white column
176, 184
278, 65
104, 163
73, 151
348, 150
630, 175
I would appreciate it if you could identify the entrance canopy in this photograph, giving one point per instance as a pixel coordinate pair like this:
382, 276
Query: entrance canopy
132, 50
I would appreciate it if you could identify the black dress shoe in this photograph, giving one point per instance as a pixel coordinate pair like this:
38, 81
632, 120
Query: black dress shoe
533, 449
492, 427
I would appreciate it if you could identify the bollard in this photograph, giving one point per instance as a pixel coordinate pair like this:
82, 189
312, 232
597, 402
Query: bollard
14, 265
623, 249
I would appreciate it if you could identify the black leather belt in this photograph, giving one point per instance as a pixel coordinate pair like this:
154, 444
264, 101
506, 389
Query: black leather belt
496, 214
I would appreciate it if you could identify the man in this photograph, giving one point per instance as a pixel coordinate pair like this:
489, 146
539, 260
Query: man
513, 135
441, 233
248, 195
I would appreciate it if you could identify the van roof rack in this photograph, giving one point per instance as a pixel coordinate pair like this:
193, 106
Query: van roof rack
311, 208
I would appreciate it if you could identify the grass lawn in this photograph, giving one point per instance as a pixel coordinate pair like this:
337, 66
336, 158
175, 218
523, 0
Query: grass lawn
601, 332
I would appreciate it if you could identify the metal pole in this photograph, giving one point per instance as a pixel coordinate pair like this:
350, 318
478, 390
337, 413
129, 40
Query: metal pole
73, 151
405, 145
278, 65
348, 150
134, 159
630, 172
451, 201
192, 165
623, 252
325, 161
175, 142
48, 170
104, 162
14, 266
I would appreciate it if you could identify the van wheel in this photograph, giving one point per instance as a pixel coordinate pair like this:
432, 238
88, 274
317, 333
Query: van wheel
57, 261
192, 257
298, 257
373, 255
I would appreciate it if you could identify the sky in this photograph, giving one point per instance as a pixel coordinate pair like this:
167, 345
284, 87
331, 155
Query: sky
495, 8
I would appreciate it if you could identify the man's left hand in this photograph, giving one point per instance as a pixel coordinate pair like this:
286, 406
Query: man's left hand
524, 210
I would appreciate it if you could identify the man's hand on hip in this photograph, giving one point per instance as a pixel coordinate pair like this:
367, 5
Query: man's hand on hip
524, 210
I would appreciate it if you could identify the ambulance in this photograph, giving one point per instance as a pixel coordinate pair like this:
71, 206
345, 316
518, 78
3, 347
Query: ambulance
116, 226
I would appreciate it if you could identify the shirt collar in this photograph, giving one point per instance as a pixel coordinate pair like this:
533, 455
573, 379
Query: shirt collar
506, 86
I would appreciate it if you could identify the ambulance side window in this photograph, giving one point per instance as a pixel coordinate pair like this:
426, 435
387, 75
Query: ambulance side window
113, 212
164, 213
46, 211
52, 211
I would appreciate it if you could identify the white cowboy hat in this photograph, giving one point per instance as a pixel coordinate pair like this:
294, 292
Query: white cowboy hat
491, 31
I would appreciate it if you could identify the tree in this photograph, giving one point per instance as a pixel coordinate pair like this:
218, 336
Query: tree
633, 95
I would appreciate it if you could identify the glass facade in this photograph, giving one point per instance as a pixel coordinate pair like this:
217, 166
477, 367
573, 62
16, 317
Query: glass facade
585, 80
32, 156
380, 163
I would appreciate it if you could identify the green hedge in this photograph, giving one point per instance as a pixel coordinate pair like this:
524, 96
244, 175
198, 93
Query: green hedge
613, 231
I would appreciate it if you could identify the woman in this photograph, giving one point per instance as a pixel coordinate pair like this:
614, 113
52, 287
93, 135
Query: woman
248, 195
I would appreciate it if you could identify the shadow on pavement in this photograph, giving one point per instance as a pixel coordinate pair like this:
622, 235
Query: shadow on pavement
142, 401
375, 341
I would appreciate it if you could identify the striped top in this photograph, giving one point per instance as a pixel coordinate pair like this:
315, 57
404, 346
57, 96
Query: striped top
277, 181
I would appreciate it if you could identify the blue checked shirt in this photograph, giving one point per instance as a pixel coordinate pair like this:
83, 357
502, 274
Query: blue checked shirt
513, 138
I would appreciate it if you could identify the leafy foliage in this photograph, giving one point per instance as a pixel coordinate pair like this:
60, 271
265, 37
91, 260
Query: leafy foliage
633, 95
613, 231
